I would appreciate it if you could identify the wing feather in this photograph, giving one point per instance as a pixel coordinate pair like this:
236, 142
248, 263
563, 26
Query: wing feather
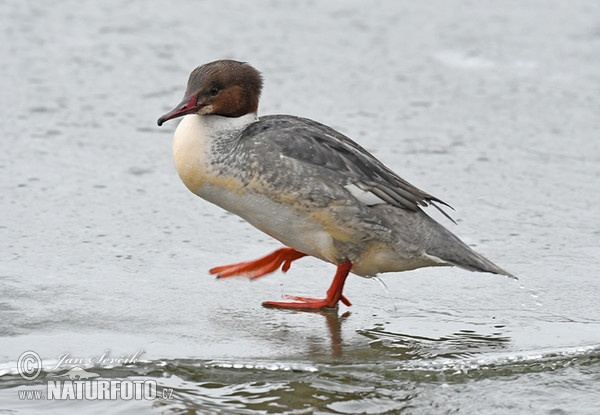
313, 143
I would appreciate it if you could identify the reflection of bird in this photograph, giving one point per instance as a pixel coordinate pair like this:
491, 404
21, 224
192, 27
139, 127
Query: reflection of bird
78, 373
305, 184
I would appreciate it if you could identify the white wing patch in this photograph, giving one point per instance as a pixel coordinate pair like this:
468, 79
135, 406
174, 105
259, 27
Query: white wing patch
435, 260
364, 196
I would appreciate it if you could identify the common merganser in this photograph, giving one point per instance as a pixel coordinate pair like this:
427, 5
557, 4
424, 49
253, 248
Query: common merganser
306, 185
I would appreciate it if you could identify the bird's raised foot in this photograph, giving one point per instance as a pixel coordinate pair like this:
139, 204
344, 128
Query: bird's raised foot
254, 269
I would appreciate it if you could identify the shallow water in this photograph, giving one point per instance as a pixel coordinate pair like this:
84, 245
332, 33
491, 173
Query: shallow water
493, 108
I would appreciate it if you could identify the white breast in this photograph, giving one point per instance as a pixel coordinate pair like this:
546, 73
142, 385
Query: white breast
192, 145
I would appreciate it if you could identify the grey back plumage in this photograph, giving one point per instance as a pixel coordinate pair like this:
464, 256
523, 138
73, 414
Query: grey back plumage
314, 143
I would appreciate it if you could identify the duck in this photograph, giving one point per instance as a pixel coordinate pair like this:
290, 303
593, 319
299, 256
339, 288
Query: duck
306, 185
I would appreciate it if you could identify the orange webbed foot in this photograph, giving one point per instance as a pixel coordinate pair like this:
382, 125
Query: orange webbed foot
254, 269
334, 294
306, 303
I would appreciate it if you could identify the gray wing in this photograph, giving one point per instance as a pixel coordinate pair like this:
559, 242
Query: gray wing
318, 145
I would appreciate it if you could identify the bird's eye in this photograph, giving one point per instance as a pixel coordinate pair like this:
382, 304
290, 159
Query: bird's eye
214, 90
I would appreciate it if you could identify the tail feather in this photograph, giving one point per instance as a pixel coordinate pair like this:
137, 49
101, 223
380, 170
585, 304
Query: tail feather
449, 248
417, 231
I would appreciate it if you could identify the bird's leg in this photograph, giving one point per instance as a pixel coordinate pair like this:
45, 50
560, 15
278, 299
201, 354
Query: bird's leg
253, 269
334, 294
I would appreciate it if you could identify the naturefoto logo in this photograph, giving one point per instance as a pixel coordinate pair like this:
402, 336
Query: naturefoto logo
77, 382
